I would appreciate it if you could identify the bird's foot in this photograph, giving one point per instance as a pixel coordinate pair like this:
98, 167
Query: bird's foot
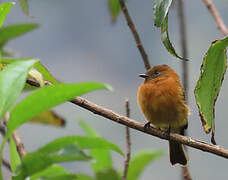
147, 126
168, 132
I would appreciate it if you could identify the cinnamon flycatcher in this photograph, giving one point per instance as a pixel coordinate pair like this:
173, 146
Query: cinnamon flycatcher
161, 99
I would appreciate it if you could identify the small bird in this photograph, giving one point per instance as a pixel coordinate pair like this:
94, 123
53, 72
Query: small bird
161, 99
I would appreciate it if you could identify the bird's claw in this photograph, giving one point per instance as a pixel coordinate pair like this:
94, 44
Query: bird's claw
147, 126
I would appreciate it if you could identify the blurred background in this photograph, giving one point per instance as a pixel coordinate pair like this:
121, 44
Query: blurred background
77, 42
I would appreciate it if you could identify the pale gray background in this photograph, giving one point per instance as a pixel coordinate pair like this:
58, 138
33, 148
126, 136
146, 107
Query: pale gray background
77, 42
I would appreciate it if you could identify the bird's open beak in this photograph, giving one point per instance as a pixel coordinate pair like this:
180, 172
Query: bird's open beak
143, 76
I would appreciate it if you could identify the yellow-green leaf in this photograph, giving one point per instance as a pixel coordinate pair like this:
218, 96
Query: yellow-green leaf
24, 6
114, 9
4, 10
48, 117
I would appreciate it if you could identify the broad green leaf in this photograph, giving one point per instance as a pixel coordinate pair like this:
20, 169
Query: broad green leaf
12, 31
61, 177
208, 86
4, 10
102, 156
38, 66
44, 98
12, 80
84, 177
48, 118
80, 141
53, 170
165, 39
139, 162
161, 8
108, 174
36, 161
114, 9
14, 156
24, 6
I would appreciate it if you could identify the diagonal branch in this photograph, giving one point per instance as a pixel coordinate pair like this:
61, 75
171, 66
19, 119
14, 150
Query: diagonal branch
135, 34
111, 115
218, 19
152, 131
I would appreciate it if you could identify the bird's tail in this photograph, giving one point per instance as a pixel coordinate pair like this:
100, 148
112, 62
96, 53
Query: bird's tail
177, 153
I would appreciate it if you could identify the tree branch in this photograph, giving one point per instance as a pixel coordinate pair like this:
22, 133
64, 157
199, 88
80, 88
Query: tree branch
128, 143
111, 115
135, 34
218, 19
217, 150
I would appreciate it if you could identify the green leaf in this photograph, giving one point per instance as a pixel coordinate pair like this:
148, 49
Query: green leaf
49, 117
165, 39
37, 161
161, 9
44, 98
102, 156
12, 80
38, 66
4, 10
114, 9
84, 177
12, 31
208, 86
14, 156
61, 177
80, 141
24, 6
88, 129
53, 170
139, 161
108, 174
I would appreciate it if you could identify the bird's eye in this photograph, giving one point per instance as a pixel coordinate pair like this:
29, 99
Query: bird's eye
156, 72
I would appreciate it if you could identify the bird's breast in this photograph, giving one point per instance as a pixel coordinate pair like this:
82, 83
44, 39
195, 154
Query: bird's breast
162, 104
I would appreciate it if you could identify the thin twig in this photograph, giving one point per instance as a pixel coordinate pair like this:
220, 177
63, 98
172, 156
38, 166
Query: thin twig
135, 34
183, 41
185, 173
111, 115
16, 137
19, 144
2, 129
6, 164
218, 19
128, 143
